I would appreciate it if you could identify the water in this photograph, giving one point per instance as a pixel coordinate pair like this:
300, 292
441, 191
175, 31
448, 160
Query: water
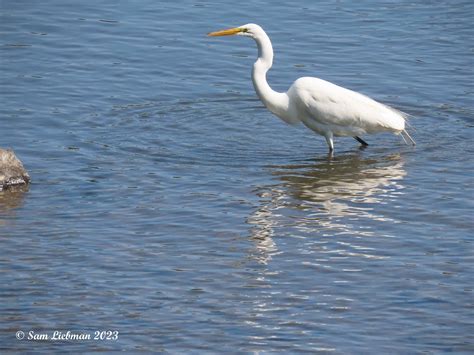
167, 204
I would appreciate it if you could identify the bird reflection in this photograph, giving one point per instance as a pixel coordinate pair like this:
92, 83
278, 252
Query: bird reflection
325, 196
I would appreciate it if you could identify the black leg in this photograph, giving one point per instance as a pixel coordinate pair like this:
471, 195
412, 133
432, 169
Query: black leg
361, 141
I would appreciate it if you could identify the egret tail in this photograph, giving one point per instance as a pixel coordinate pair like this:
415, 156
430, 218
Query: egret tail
406, 136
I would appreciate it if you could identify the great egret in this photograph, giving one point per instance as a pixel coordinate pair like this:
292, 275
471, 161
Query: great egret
326, 108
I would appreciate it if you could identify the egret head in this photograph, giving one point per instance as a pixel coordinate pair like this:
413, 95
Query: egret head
249, 30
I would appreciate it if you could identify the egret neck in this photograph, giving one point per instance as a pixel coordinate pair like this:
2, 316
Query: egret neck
276, 102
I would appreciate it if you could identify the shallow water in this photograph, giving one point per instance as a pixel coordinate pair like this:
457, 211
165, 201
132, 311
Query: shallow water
166, 203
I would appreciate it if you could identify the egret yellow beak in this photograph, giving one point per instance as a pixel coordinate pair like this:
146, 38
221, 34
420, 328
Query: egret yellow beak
228, 32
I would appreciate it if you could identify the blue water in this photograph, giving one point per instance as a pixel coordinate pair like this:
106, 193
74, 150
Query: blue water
167, 204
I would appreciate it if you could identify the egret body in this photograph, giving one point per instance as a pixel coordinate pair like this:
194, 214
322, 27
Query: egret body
325, 108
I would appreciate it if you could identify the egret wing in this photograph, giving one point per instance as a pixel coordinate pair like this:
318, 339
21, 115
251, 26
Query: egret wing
333, 105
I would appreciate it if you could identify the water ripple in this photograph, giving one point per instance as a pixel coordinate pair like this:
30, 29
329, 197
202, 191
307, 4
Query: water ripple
168, 204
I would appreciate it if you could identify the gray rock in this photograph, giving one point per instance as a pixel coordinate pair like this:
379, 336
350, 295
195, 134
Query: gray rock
12, 171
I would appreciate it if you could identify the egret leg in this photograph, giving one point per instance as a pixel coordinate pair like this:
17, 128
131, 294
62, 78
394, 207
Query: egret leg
361, 141
330, 142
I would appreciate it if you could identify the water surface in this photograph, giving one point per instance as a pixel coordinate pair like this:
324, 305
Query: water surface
166, 203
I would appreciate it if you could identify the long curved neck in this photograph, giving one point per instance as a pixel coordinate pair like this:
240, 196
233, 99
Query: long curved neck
275, 101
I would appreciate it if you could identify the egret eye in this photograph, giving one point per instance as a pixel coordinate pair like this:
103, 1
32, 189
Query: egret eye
245, 30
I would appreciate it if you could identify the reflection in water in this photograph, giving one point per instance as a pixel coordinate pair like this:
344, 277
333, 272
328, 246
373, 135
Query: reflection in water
10, 200
324, 196
262, 233
319, 211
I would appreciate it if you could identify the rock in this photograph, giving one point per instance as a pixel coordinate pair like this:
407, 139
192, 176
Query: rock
12, 171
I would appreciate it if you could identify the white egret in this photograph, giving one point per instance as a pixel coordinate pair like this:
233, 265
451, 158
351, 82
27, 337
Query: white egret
325, 108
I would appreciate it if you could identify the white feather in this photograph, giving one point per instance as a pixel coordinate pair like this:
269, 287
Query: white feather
342, 111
